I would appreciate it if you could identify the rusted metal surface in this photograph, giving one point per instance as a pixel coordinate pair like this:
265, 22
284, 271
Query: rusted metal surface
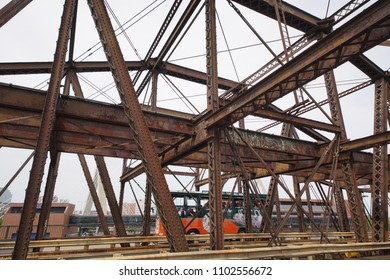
91, 133
355, 200
48, 118
379, 187
213, 145
110, 194
297, 18
48, 195
94, 195
171, 220
356, 36
337, 118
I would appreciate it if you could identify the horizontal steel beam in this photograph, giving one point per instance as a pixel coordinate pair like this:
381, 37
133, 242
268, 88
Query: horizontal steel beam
366, 142
295, 120
87, 127
96, 128
23, 68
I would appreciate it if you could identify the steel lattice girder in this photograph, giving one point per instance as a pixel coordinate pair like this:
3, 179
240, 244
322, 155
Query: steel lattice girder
87, 127
354, 37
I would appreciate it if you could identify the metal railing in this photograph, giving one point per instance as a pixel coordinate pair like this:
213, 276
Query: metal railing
8, 232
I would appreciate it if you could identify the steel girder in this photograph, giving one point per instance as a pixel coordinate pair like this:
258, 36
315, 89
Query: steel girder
42, 146
171, 69
295, 17
380, 186
137, 123
356, 36
87, 127
315, 27
48, 194
354, 196
12, 9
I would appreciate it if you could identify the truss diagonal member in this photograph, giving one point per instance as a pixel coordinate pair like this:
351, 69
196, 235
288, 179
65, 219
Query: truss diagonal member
137, 123
355, 37
254, 31
170, 41
94, 195
337, 117
296, 18
110, 194
16, 174
160, 34
42, 147
347, 9
48, 196
12, 9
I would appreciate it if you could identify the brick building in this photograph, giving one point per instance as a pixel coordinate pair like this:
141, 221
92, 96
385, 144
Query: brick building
57, 224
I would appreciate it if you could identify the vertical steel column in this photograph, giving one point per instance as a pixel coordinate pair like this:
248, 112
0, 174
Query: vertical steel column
153, 98
197, 179
309, 206
94, 195
272, 198
121, 196
341, 208
379, 188
247, 194
247, 208
215, 193
214, 149
269, 203
147, 208
301, 220
171, 220
48, 116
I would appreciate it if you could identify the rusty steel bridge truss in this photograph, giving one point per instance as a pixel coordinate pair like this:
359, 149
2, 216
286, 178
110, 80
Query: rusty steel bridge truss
51, 122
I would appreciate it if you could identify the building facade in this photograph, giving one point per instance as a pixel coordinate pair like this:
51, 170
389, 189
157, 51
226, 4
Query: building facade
57, 225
